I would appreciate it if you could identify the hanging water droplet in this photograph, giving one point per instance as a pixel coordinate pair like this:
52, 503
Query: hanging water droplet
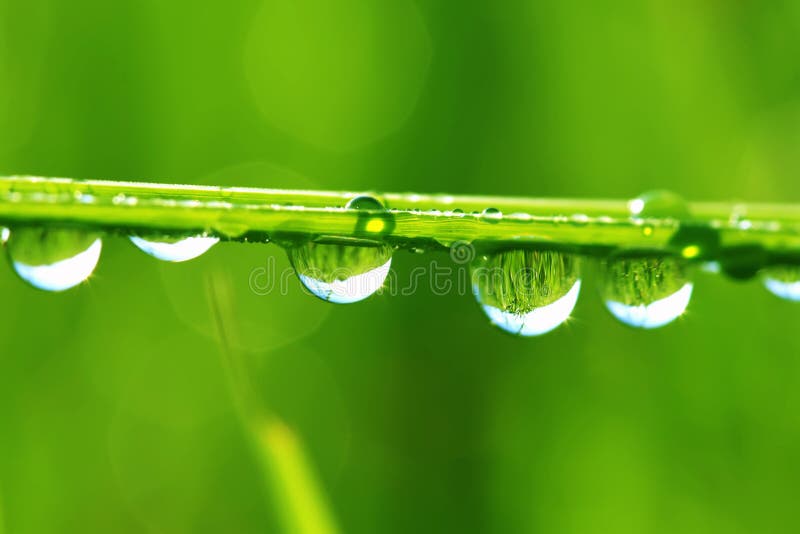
526, 292
492, 215
783, 281
53, 259
341, 274
174, 249
645, 291
742, 262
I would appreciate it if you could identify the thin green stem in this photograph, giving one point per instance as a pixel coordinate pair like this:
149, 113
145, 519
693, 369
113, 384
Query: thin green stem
244, 214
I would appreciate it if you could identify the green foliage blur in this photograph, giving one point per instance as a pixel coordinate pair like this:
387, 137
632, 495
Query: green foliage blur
173, 398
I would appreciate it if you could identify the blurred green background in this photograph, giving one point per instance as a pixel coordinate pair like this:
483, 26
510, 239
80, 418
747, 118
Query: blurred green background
118, 400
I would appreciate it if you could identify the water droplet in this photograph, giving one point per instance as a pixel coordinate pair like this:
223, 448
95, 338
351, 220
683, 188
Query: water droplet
364, 202
174, 249
657, 204
341, 274
53, 259
695, 241
783, 281
646, 291
492, 215
742, 262
526, 292
371, 223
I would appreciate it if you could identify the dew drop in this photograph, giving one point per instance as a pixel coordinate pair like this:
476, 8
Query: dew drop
341, 274
659, 203
53, 259
492, 215
695, 241
742, 262
783, 281
375, 220
174, 249
645, 291
526, 292
364, 202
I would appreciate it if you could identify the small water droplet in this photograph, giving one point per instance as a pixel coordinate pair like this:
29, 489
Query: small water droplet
53, 259
526, 292
364, 202
742, 262
695, 241
341, 274
174, 249
370, 223
492, 215
645, 291
657, 204
783, 281
231, 229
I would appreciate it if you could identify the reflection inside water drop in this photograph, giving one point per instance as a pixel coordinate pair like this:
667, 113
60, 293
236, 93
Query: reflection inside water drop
539, 321
53, 259
646, 291
526, 292
783, 281
175, 250
341, 274
658, 313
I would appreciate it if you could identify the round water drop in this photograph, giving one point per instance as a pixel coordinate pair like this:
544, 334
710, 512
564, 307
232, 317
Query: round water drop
341, 274
375, 220
657, 204
742, 262
174, 249
53, 259
492, 215
526, 292
783, 281
646, 291
364, 202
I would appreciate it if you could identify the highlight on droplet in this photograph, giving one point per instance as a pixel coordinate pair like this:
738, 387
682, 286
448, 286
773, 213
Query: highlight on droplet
175, 250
